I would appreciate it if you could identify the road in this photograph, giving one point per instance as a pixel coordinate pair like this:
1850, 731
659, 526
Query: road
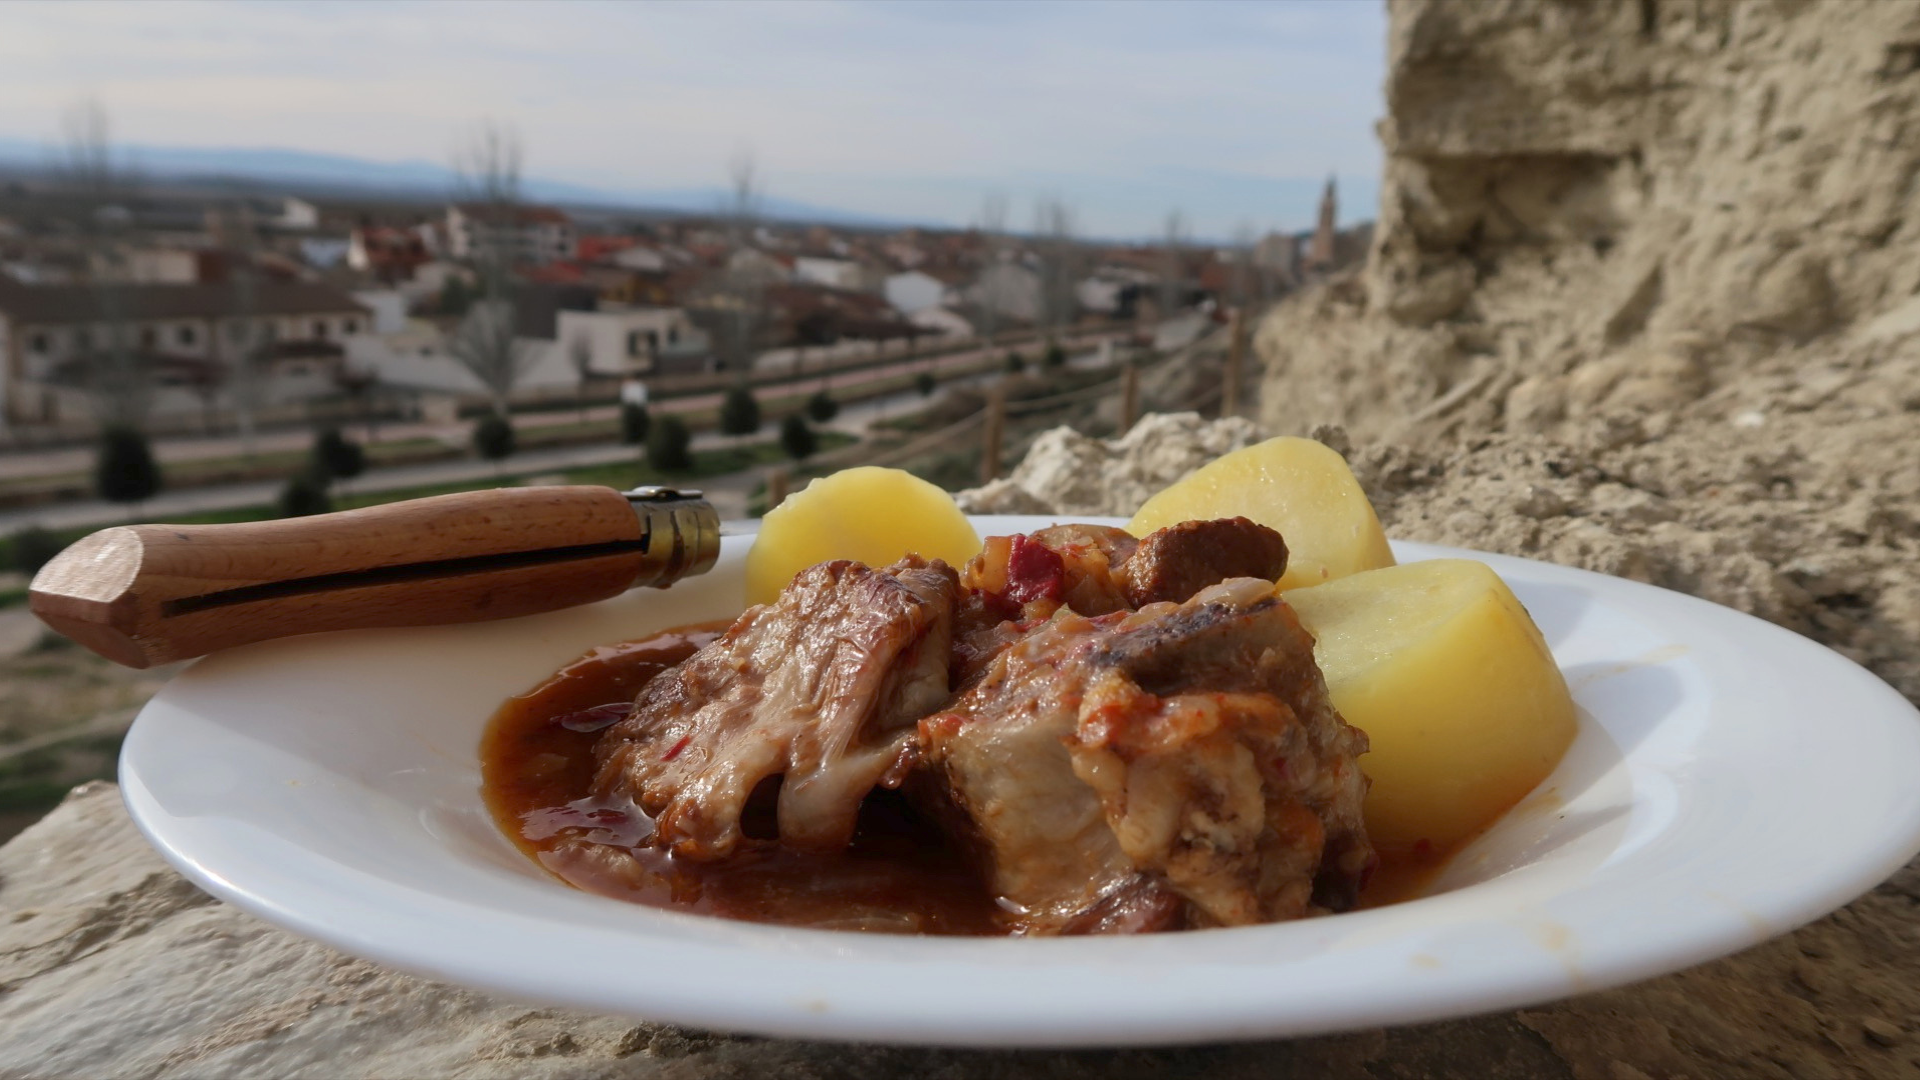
728, 492
78, 460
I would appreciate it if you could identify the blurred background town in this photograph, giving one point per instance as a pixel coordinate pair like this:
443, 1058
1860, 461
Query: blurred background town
197, 331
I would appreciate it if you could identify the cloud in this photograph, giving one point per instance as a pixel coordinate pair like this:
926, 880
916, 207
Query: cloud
899, 109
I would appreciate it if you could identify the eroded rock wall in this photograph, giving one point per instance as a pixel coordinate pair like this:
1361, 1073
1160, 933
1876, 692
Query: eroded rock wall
1644, 298
1604, 206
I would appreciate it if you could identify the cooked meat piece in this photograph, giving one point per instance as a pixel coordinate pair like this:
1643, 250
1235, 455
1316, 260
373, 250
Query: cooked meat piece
1138, 903
1105, 768
1016, 582
1180, 560
820, 688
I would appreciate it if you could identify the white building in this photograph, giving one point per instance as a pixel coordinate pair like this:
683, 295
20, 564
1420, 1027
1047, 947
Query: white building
914, 291
942, 321
297, 215
837, 274
754, 265
414, 358
535, 234
163, 266
388, 308
641, 257
1100, 294
1010, 290
636, 341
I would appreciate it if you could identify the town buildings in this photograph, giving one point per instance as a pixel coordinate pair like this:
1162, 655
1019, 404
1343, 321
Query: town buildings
347, 293
191, 338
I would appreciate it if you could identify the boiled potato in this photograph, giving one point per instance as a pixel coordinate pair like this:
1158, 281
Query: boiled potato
1297, 487
869, 514
1446, 673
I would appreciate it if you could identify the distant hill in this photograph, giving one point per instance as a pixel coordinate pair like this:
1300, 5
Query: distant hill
303, 171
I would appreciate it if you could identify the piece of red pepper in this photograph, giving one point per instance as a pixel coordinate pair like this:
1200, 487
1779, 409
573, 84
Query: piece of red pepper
1034, 572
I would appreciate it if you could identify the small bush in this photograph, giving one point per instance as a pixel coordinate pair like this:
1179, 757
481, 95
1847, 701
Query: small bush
493, 437
740, 412
797, 439
125, 470
926, 383
337, 457
34, 547
455, 296
821, 407
670, 445
1016, 363
635, 421
305, 495
1055, 357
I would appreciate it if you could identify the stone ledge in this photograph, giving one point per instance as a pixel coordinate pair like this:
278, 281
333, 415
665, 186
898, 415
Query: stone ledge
113, 965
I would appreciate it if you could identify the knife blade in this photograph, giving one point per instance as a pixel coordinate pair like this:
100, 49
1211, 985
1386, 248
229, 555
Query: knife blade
142, 595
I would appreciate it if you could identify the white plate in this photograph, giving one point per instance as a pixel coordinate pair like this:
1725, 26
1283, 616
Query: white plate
1730, 781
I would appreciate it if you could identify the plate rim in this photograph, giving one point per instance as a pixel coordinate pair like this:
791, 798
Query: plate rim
1896, 847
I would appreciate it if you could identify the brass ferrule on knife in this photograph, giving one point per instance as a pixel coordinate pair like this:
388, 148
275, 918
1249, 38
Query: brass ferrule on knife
679, 531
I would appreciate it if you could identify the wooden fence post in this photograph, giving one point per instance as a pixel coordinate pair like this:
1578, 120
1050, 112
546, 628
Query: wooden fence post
991, 436
778, 480
1236, 349
1129, 397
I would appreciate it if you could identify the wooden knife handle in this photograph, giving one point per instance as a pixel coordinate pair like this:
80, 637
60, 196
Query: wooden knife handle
149, 594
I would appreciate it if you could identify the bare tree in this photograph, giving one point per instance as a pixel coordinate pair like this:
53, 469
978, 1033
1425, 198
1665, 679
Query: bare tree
487, 166
1053, 237
87, 154
487, 344
1243, 285
117, 377
487, 169
580, 354
247, 343
744, 195
1173, 270
743, 282
993, 227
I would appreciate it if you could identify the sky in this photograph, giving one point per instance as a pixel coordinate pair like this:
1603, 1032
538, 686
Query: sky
1233, 114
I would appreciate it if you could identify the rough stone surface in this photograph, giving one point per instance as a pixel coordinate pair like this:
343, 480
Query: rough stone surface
1066, 472
113, 965
1644, 298
1638, 206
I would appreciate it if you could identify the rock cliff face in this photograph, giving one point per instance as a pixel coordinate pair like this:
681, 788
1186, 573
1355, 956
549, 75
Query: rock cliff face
1632, 206
1648, 272
1065, 472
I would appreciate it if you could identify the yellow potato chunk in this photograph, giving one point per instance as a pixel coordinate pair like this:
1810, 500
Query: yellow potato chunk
869, 514
1296, 487
1449, 677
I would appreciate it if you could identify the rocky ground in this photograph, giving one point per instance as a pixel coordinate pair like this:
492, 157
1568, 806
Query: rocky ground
63, 712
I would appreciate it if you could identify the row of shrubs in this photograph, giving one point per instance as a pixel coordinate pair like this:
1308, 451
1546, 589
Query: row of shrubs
125, 470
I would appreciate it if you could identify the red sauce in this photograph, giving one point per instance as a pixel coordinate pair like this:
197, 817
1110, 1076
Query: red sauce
900, 875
